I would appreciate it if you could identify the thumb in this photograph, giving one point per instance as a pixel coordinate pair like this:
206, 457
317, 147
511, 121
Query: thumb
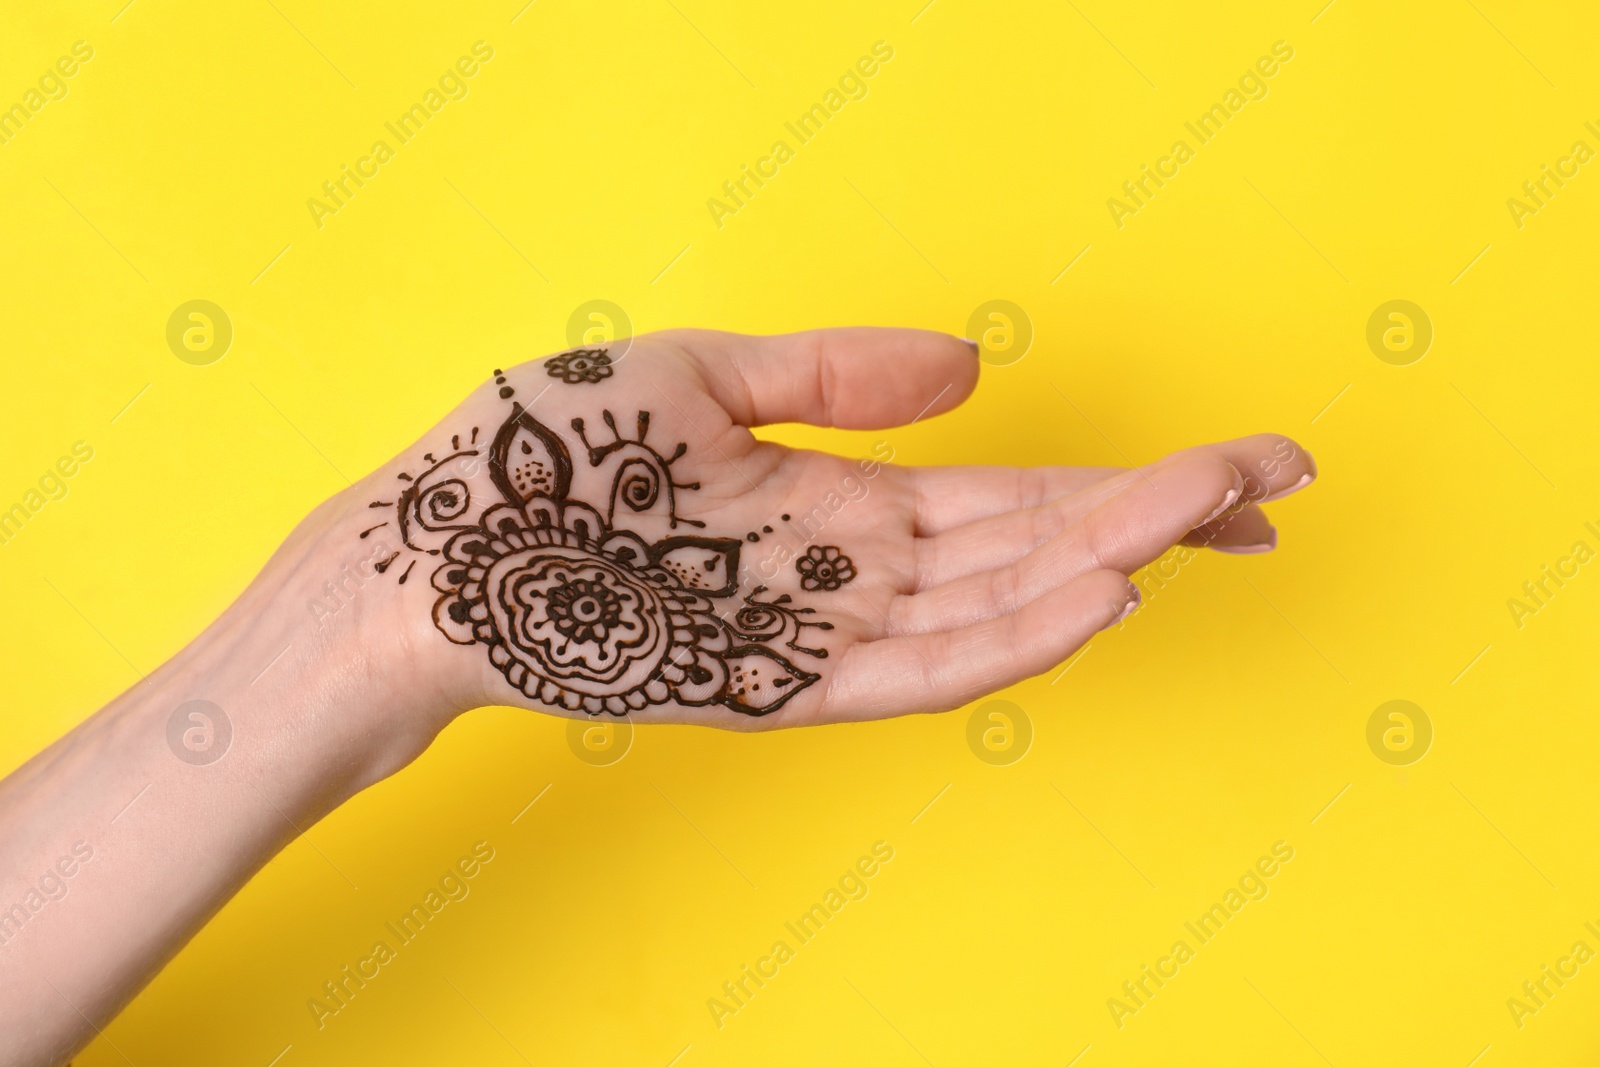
853, 378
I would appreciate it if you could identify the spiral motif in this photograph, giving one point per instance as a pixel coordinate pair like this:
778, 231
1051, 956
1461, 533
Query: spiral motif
443, 503
638, 485
760, 622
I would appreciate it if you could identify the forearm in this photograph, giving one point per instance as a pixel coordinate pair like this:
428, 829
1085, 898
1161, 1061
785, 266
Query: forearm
124, 837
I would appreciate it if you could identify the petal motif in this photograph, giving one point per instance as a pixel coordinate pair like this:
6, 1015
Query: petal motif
450, 616
760, 681
708, 565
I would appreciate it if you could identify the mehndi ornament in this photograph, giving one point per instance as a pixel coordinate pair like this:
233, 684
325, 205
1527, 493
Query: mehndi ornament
596, 605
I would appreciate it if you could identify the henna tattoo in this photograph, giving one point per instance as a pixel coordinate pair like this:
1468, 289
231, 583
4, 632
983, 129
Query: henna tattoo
591, 365
824, 567
770, 620
527, 460
583, 605
643, 476
436, 501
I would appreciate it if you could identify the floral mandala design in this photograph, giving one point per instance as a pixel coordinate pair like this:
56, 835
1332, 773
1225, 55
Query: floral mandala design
577, 606
585, 610
590, 365
824, 567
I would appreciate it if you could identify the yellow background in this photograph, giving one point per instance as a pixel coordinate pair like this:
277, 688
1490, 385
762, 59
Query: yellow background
1225, 716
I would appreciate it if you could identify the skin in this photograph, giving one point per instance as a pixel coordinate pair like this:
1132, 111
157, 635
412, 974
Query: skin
970, 579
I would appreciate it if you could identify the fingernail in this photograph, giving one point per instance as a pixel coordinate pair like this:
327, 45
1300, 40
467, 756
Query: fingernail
1305, 480
1227, 502
1250, 550
974, 344
1128, 608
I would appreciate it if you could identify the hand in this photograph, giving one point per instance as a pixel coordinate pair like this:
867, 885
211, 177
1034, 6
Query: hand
599, 536
591, 537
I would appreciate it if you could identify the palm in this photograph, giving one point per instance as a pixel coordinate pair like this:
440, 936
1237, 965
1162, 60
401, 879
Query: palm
616, 541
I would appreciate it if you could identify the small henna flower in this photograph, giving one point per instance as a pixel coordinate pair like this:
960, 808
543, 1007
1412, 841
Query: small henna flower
590, 365
824, 568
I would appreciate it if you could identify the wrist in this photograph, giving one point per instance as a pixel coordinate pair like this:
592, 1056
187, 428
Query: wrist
322, 659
